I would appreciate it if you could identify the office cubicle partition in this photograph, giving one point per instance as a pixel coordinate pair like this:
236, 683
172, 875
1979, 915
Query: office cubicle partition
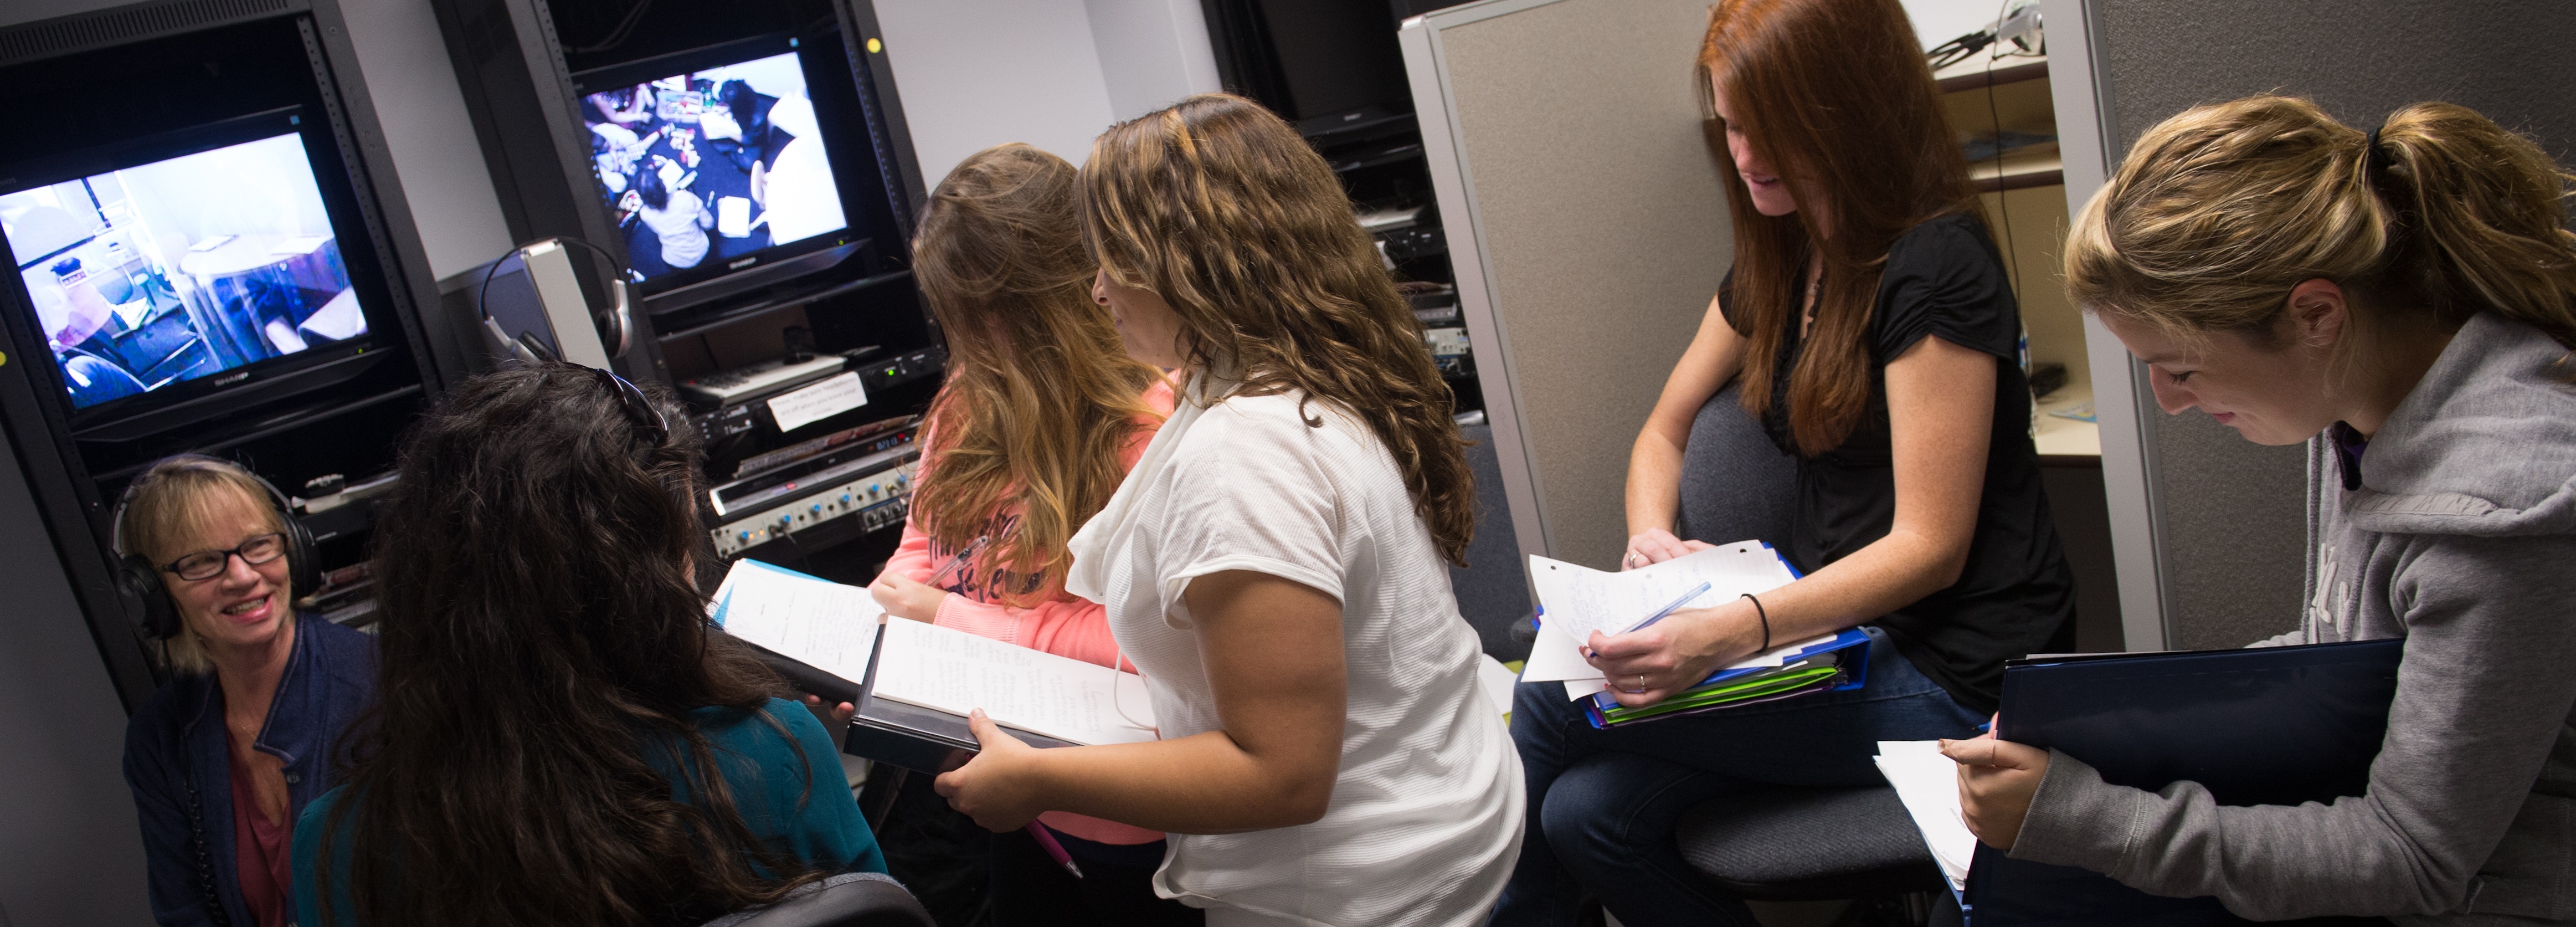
1588, 225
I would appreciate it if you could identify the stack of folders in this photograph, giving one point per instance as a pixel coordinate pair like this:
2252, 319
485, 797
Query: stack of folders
1825, 664
913, 683
1575, 601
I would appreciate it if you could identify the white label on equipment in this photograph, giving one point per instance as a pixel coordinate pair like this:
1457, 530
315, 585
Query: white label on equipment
818, 402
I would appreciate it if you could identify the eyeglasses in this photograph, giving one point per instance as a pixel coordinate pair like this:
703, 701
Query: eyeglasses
208, 564
638, 409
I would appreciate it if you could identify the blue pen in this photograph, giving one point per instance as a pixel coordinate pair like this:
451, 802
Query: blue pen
1669, 609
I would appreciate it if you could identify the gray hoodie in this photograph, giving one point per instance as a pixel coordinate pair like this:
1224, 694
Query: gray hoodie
2462, 540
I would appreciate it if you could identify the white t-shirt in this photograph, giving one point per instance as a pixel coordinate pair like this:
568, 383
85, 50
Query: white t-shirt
1425, 818
682, 227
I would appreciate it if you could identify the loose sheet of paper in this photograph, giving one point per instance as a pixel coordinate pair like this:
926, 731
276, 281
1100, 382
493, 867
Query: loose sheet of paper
822, 624
1928, 784
955, 672
1577, 600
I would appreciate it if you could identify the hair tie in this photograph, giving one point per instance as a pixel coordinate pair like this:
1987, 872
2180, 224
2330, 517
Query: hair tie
2375, 162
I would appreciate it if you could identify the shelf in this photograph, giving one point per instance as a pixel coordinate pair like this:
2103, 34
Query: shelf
730, 316
2035, 166
2066, 437
1983, 71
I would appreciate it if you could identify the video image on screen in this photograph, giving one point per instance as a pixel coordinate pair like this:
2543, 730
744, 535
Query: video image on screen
704, 167
179, 269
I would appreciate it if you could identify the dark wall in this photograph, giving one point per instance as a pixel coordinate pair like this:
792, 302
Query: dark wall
2234, 534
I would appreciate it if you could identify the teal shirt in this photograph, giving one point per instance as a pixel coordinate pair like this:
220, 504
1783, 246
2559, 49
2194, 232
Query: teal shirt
767, 781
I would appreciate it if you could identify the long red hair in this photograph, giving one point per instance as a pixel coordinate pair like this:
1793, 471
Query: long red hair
1836, 95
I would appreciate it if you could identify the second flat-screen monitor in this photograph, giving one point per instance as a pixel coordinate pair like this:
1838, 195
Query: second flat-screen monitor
159, 269
711, 161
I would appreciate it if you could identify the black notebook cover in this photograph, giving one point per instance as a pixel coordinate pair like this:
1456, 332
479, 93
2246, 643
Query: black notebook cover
2262, 726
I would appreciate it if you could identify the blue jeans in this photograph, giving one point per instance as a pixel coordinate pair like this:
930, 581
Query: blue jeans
1603, 803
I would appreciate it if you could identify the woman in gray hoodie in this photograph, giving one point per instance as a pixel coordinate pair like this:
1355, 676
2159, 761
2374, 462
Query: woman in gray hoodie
2404, 300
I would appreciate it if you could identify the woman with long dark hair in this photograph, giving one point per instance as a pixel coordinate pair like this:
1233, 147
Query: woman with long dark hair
565, 742
1273, 564
1871, 326
1040, 417
2403, 301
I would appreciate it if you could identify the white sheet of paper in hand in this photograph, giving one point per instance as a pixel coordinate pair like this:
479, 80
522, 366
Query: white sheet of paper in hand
1064, 698
823, 624
1928, 784
1579, 600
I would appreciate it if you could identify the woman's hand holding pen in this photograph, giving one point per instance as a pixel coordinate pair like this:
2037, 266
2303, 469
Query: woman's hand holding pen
1647, 665
1997, 779
998, 788
904, 598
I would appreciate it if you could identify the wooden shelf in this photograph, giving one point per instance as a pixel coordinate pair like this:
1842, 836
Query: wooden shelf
1983, 71
2035, 166
2066, 437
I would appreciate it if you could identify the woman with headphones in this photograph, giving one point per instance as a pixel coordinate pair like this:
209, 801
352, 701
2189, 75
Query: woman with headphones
225, 756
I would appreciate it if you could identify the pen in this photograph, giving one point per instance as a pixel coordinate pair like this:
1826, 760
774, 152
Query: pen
1046, 841
940, 575
1669, 609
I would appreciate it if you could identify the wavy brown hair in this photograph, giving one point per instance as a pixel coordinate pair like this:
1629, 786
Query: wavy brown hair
2219, 211
1219, 207
1836, 95
1041, 401
542, 635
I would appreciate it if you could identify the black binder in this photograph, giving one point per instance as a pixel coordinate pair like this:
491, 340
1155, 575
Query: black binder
2261, 726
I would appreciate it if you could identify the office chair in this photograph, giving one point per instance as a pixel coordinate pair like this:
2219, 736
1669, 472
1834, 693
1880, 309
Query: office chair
851, 899
1787, 844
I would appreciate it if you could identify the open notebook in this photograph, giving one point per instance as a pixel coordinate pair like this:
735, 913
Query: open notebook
840, 632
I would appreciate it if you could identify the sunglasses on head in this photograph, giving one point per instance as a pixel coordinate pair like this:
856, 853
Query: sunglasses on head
639, 410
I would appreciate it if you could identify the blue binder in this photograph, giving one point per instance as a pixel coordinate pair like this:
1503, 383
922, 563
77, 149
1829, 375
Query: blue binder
2264, 726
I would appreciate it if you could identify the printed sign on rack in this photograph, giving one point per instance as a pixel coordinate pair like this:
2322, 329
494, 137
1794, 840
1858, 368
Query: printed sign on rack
818, 402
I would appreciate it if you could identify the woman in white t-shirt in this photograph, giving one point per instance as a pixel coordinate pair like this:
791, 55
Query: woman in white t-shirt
678, 217
1274, 564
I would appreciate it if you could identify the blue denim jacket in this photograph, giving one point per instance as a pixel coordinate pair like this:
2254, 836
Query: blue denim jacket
174, 760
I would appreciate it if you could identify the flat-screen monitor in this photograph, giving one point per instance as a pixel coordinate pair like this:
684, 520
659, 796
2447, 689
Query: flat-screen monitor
162, 272
711, 161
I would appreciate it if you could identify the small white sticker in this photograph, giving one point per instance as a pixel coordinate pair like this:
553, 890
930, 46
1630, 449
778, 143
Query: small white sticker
818, 402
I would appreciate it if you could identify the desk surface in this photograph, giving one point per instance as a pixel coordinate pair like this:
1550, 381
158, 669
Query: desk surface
2064, 436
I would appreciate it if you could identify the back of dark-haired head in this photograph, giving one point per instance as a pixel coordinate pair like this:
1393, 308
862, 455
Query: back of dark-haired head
541, 630
742, 100
648, 184
1836, 95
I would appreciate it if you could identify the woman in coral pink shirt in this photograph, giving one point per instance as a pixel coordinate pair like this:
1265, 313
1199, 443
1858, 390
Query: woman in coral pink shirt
1041, 417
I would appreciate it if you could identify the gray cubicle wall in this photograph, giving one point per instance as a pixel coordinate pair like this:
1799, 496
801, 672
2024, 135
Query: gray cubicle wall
1588, 226
2215, 521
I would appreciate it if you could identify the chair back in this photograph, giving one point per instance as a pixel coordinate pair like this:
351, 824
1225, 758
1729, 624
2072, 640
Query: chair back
851, 899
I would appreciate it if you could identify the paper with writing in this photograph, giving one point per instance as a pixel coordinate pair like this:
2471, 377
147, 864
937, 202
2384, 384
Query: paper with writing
1928, 784
956, 672
835, 395
823, 624
1575, 601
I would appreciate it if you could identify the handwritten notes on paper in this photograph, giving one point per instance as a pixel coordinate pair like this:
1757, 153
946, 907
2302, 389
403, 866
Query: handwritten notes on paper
956, 672
833, 396
823, 624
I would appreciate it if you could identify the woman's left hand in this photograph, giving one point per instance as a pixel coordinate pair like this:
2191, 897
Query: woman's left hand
1649, 664
995, 788
904, 598
1996, 781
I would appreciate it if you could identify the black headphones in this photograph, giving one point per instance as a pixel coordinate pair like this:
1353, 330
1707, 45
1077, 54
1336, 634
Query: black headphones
139, 579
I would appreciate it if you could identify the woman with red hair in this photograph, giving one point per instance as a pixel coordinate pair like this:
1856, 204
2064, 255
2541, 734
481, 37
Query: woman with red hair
1871, 328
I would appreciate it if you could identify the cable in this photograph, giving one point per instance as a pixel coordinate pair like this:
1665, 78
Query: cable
2003, 195
617, 36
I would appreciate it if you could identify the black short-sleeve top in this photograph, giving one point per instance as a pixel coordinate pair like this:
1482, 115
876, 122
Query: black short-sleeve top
1942, 279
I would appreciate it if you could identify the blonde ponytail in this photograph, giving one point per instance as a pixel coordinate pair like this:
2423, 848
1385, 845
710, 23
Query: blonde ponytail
2219, 211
